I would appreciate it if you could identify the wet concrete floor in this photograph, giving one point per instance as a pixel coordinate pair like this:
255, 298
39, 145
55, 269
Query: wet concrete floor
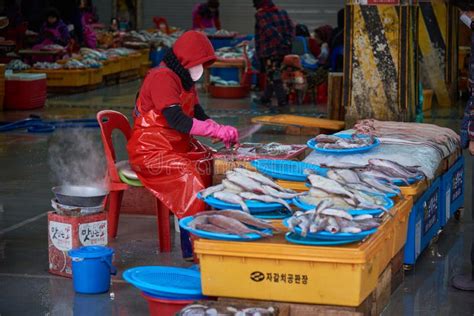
27, 288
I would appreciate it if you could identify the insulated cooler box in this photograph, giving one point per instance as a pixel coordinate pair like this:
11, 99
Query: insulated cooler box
25, 91
452, 187
424, 222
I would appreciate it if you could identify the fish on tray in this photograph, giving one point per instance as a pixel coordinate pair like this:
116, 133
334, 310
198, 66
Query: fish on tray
335, 142
328, 218
230, 222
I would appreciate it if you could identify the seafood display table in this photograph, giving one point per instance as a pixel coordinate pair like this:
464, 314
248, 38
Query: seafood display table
274, 269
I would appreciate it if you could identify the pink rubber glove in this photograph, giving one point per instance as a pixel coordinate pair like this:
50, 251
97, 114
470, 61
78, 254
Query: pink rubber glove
227, 134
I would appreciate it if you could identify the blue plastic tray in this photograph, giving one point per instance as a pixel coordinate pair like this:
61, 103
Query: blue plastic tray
297, 239
255, 207
169, 282
306, 207
274, 215
323, 235
312, 143
286, 169
184, 224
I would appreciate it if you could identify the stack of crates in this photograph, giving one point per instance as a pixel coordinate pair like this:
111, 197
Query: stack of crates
452, 190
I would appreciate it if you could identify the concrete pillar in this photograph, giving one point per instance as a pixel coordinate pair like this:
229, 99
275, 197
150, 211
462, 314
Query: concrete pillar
380, 68
438, 43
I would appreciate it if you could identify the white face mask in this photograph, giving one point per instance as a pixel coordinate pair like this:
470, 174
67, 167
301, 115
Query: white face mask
196, 72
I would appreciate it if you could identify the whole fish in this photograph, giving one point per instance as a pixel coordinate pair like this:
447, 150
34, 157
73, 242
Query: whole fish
393, 167
325, 204
261, 179
319, 224
342, 165
362, 217
240, 216
332, 225
351, 230
323, 138
198, 221
337, 201
383, 176
230, 186
331, 174
367, 224
304, 225
215, 229
348, 176
373, 199
233, 224
264, 198
337, 213
278, 194
328, 185
232, 198
380, 186
211, 190
389, 164
245, 182
317, 193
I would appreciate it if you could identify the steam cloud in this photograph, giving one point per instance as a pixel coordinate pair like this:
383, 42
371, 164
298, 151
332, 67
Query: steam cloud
76, 157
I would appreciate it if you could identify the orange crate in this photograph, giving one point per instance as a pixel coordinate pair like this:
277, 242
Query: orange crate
65, 77
144, 55
95, 76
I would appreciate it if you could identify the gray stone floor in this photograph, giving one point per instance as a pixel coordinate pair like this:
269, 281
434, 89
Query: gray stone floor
28, 289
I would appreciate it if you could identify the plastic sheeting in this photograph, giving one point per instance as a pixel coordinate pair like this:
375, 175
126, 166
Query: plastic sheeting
426, 157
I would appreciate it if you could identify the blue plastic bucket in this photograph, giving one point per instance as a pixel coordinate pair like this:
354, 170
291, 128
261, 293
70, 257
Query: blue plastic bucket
91, 269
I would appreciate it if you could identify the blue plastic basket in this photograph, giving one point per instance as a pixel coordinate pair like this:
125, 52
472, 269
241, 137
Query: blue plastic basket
255, 207
274, 215
169, 282
286, 169
312, 143
184, 224
424, 222
306, 207
297, 239
452, 190
323, 235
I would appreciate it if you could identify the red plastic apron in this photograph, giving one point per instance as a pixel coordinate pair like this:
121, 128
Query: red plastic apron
173, 165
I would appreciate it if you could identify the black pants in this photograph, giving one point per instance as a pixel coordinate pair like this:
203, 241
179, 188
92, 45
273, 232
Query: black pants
272, 68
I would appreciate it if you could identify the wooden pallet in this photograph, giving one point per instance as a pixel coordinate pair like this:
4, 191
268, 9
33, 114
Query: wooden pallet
376, 302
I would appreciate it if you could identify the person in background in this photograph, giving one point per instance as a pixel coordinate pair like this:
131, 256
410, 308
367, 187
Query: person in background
71, 15
15, 31
53, 31
322, 36
206, 15
313, 47
162, 24
467, 126
88, 11
162, 149
274, 33
114, 25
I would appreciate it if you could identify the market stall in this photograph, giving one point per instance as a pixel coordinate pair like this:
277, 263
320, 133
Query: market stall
361, 204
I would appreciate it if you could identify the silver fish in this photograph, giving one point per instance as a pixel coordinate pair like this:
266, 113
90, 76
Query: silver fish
380, 186
211, 190
348, 176
342, 165
317, 193
261, 178
364, 188
337, 213
229, 185
362, 217
392, 167
232, 198
332, 225
328, 185
264, 198
351, 230
278, 194
245, 182
318, 225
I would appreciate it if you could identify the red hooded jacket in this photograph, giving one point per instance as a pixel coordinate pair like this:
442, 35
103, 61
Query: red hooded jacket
161, 89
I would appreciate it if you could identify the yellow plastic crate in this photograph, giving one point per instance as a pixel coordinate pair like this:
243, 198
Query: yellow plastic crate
293, 185
65, 77
135, 60
111, 66
342, 275
95, 76
144, 55
400, 224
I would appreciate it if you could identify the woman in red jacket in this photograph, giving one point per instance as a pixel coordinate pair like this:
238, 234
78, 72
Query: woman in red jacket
162, 150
